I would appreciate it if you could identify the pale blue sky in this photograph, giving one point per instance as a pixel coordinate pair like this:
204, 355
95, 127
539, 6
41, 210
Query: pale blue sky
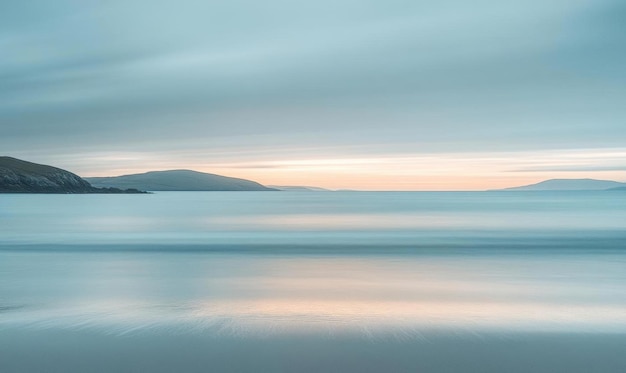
503, 90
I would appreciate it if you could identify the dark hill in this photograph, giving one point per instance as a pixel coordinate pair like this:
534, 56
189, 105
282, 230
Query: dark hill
178, 180
17, 176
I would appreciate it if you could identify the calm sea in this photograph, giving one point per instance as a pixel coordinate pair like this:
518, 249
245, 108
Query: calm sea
313, 282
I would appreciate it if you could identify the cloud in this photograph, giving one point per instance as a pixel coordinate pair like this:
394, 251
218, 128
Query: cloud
569, 168
278, 79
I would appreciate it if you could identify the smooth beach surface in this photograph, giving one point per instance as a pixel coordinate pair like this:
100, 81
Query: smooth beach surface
310, 282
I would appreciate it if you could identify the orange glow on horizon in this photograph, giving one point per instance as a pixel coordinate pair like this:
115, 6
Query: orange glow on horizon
402, 173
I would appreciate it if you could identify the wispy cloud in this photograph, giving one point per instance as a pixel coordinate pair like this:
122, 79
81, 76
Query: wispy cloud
569, 168
249, 82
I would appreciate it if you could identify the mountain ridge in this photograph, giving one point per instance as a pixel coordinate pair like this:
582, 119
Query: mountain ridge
567, 185
178, 180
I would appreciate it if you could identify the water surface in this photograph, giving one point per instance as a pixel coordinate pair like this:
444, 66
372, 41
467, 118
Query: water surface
296, 281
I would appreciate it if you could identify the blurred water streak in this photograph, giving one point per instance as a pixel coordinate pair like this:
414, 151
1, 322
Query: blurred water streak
371, 264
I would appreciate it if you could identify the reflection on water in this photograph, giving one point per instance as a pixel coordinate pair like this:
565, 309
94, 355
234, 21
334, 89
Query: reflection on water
310, 282
264, 294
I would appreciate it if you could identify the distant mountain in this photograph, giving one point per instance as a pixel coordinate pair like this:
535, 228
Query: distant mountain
297, 188
18, 176
178, 180
569, 184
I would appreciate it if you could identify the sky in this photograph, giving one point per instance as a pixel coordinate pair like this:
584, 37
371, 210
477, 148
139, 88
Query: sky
342, 94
